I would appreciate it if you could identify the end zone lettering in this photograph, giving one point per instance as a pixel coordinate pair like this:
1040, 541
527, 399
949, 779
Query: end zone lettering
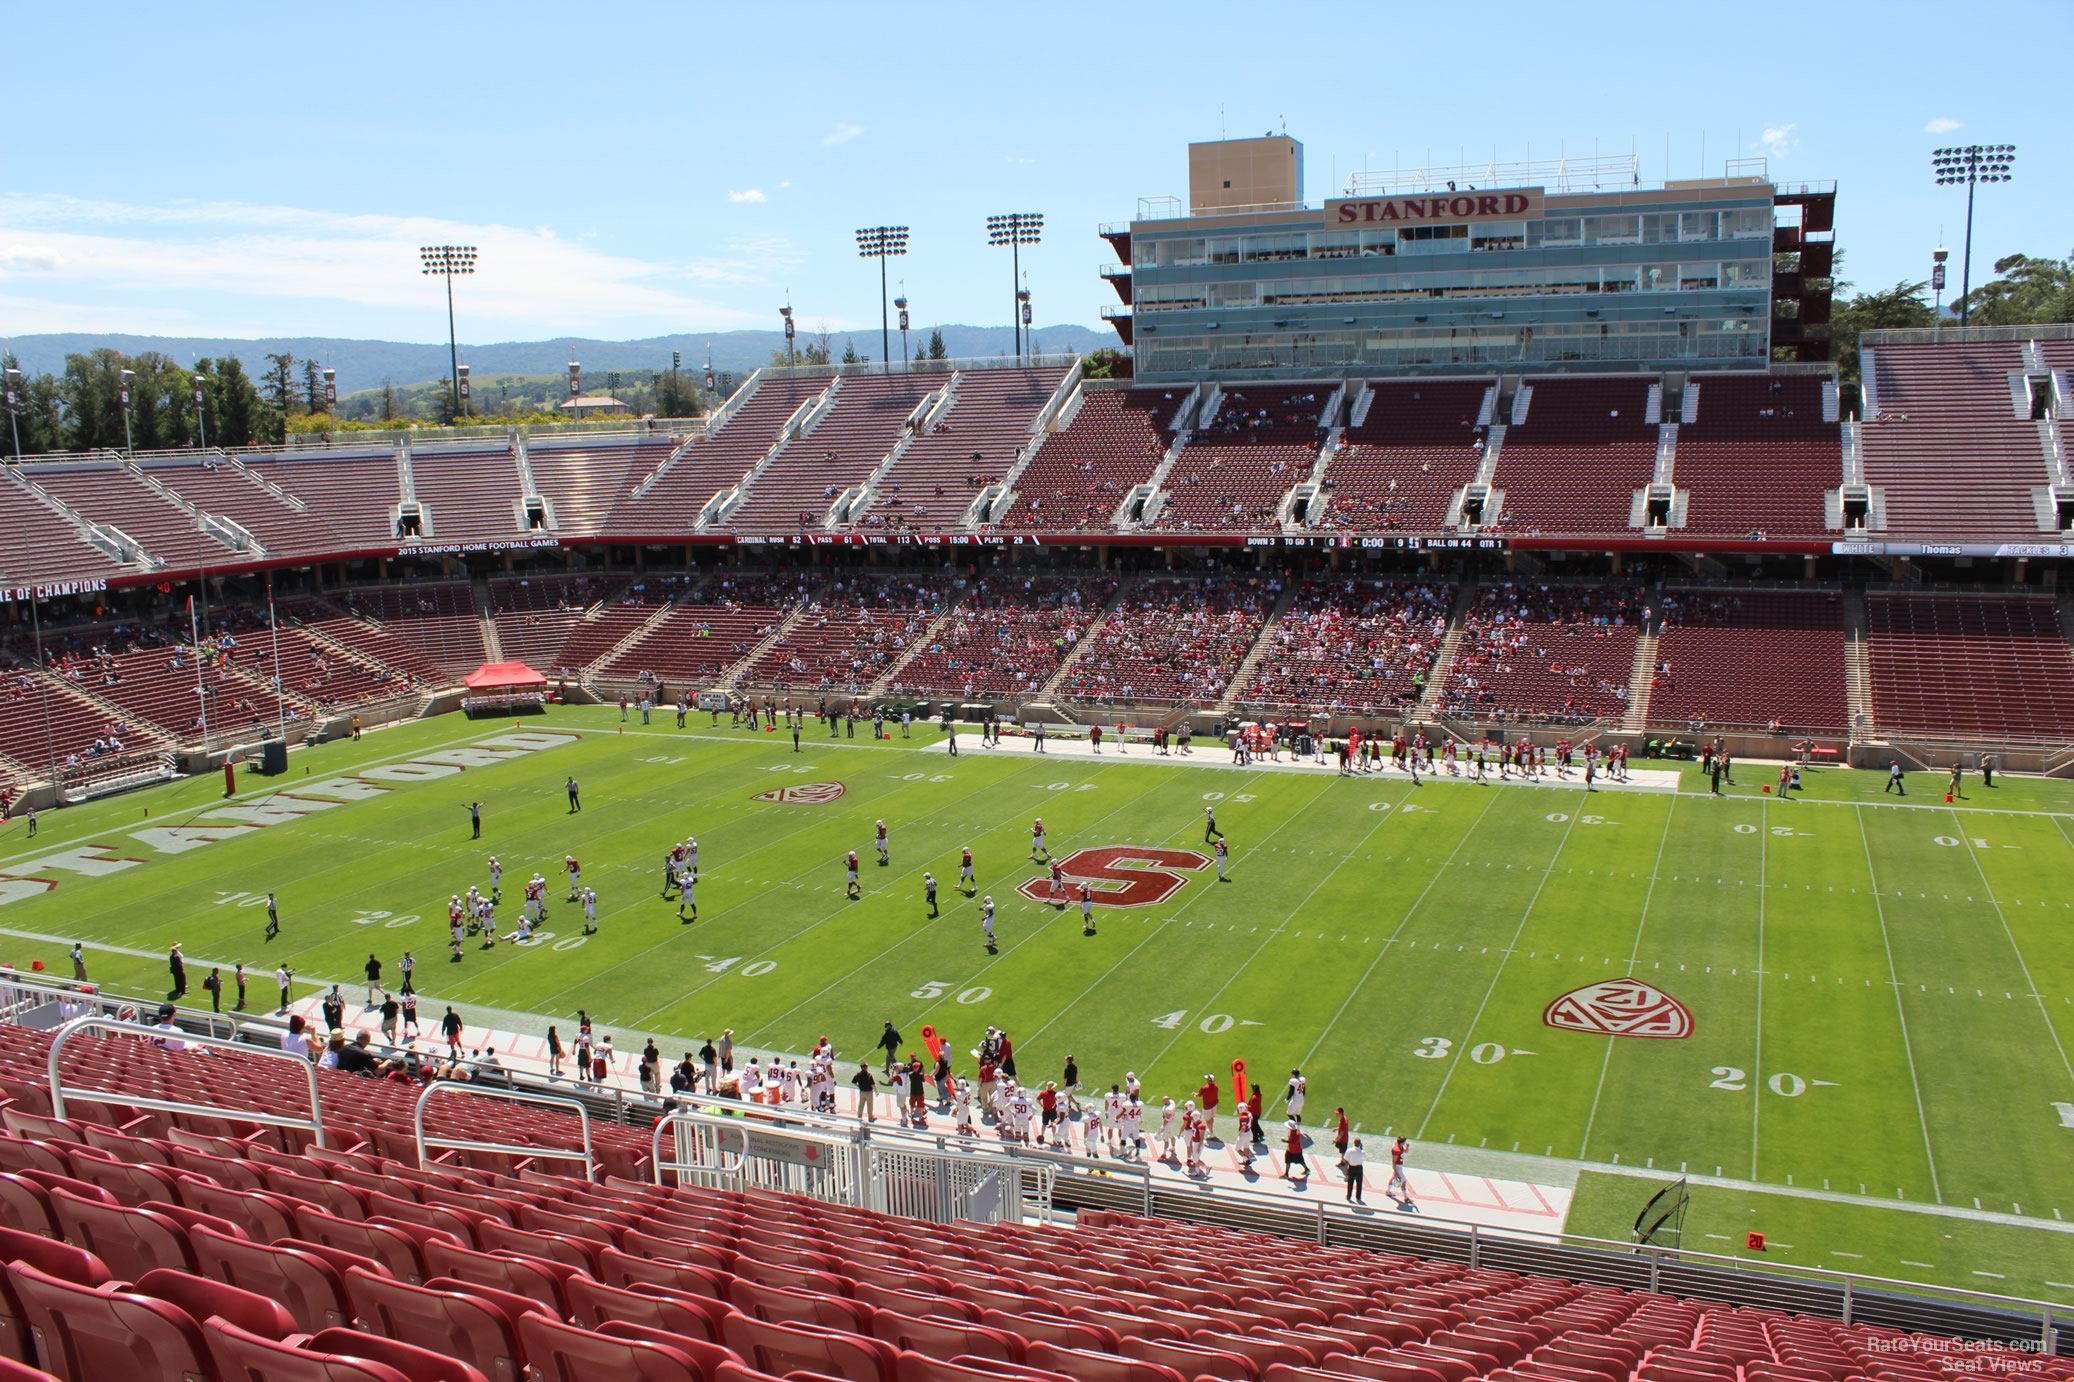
233, 819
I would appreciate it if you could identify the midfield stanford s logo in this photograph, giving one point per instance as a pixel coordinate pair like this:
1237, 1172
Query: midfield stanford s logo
806, 794
1620, 1007
1122, 875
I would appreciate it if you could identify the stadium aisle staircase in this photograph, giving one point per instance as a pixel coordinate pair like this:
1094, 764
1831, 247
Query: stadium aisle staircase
1049, 691
1430, 704
486, 615
1262, 646
921, 644
1641, 679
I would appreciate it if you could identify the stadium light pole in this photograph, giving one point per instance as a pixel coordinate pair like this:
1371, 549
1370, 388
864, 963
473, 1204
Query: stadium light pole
791, 355
1016, 229
448, 262
122, 391
14, 407
882, 243
901, 304
1972, 164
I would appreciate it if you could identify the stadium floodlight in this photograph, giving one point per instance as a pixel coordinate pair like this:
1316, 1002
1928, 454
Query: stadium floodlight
14, 392
447, 262
1016, 229
122, 392
1971, 164
882, 243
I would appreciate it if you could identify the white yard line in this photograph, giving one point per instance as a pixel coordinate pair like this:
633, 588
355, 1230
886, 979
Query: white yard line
1915, 1084
1757, 1052
1634, 957
1209, 1004
1469, 1032
1460, 843
2023, 966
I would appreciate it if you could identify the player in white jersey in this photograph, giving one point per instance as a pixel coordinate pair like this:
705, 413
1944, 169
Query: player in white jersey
525, 931
486, 922
1169, 1120
456, 930
496, 879
590, 911
1198, 1132
691, 854
575, 872
885, 858
1133, 1124
961, 1106
788, 1084
986, 918
1091, 1132
687, 882
1019, 1113
1112, 1115
1132, 1089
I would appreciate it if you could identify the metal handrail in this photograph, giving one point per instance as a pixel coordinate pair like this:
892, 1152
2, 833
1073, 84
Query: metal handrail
519, 1096
822, 1130
60, 989
58, 1093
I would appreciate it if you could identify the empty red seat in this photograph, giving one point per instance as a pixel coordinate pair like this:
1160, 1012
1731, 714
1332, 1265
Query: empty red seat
1088, 1366
944, 1338
304, 1282
593, 1304
396, 1250
448, 1322
788, 1348
917, 1367
558, 1352
202, 1297
95, 1333
50, 1256
242, 1356
524, 1276
130, 1241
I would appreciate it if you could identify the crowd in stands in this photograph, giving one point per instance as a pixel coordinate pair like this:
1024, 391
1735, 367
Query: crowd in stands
1546, 654
1352, 646
848, 636
1170, 639
1007, 636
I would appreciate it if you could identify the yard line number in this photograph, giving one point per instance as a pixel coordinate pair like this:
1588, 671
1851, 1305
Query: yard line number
937, 988
1783, 1084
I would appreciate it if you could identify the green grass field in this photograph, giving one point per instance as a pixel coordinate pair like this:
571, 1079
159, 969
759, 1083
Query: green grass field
1881, 995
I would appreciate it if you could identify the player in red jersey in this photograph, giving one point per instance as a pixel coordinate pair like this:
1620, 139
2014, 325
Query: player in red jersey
1058, 879
575, 872
1037, 849
1087, 909
884, 857
966, 885
850, 867
1223, 854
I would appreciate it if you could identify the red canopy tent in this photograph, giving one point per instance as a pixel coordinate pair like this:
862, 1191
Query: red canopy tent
502, 686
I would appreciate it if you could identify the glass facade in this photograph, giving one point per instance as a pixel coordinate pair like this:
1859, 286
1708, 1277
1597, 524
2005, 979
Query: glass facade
1672, 279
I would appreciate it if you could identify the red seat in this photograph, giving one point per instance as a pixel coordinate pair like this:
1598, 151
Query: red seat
416, 1364
25, 1206
593, 1304
89, 1333
202, 1297
396, 1250
260, 1216
577, 1254
625, 1269
705, 1355
783, 1305
304, 1282
788, 1348
1087, 1366
944, 1338
523, 1276
48, 1255
917, 1367
448, 1322
557, 1352
130, 1184
27, 1154
1192, 1359
242, 1356
130, 1241
1053, 1329
915, 1301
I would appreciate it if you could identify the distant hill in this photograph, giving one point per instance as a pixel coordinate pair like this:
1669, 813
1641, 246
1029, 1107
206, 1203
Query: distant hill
368, 364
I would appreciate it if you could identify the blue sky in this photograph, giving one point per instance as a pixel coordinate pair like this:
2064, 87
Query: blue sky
635, 169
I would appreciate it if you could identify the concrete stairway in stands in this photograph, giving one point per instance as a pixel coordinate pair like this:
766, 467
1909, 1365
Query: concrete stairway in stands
1431, 700
1641, 679
1262, 645
486, 604
732, 677
1087, 639
634, 635
1857, 666
921, 642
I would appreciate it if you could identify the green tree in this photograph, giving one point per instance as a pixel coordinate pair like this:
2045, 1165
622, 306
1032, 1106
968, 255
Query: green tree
278, 383
850, 355
1106, 363
936, 347
1898, 308
91, 392
312, 387
2028, 290
388, 406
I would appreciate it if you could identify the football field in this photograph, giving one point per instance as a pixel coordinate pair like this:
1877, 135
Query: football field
1857, 1005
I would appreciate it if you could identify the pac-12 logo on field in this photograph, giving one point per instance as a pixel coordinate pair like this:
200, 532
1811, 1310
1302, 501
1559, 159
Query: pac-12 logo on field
1620, 1007
806, 794
1123, 875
